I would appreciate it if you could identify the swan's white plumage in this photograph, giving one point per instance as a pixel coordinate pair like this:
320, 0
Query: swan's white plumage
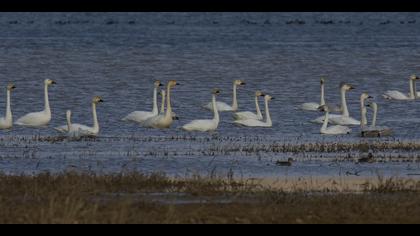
141, 116
205, 125
332, 130
223, 107
162, 121
38, 119
82, 130
258, 123
6, 122
313, 106
247, 115
397, 95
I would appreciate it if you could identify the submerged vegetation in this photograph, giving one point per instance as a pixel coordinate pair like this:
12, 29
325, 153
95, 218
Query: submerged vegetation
137, 198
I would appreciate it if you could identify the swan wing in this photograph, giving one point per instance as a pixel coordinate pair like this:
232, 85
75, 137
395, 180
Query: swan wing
395, 95
201, 125
310, 106
320, 119
138, 116
221, 106
152, 122
344, 120
337, 129
246, 115
251, 123
35, 119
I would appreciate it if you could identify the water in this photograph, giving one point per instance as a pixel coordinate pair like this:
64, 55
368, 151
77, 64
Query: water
119, 55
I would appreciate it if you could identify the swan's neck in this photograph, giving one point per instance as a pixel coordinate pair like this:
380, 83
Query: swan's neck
215, 111
257, 105
413, 94
95, 118
267, 114
47, 100
8, 109
363, 112
375, 115
155, 106
326, 120
168, 114
345, 111
68, 121
322, 95
162, 107
235, 101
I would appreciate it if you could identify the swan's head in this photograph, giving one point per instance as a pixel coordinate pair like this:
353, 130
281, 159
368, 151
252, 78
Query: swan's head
10, 87
414, 77
372, 105
346, 87
172, 83
97, 99
322, 81
259, 94
215, 91
162, 93
49, 82
268, 98
324, 108
158, 84
365, 96
239, 82
68, 114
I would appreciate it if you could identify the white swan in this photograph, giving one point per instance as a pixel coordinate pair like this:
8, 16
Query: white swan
344, 88
313, 106
7, 121
38, 119
82, 130
162, 108
258, 123
245, 115
373, 130
363, 111
347, 120
205, 125
332, 130
221, 106
140, 116
163, 121
396, 95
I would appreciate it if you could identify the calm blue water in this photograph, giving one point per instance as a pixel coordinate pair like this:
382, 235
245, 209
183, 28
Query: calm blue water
119, 55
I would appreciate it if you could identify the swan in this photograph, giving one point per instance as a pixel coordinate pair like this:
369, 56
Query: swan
332, 130
221, 106
373, 130
313, 106
396, 95
140, 116
82, 130
163, 121
344, 88
346, 120
258, 123
245, 115
162, 108
38, 119
205, 125
7, 121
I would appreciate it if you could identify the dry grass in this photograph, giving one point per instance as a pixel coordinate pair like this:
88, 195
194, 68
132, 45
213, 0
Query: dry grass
136, 198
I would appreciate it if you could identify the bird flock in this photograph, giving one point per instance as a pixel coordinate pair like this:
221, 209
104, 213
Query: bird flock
335, 121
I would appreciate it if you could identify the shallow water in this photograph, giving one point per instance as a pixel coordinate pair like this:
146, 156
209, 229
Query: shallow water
119, 55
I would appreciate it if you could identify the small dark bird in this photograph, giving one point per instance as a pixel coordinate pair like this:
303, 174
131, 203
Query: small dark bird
285, 163
368, 159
